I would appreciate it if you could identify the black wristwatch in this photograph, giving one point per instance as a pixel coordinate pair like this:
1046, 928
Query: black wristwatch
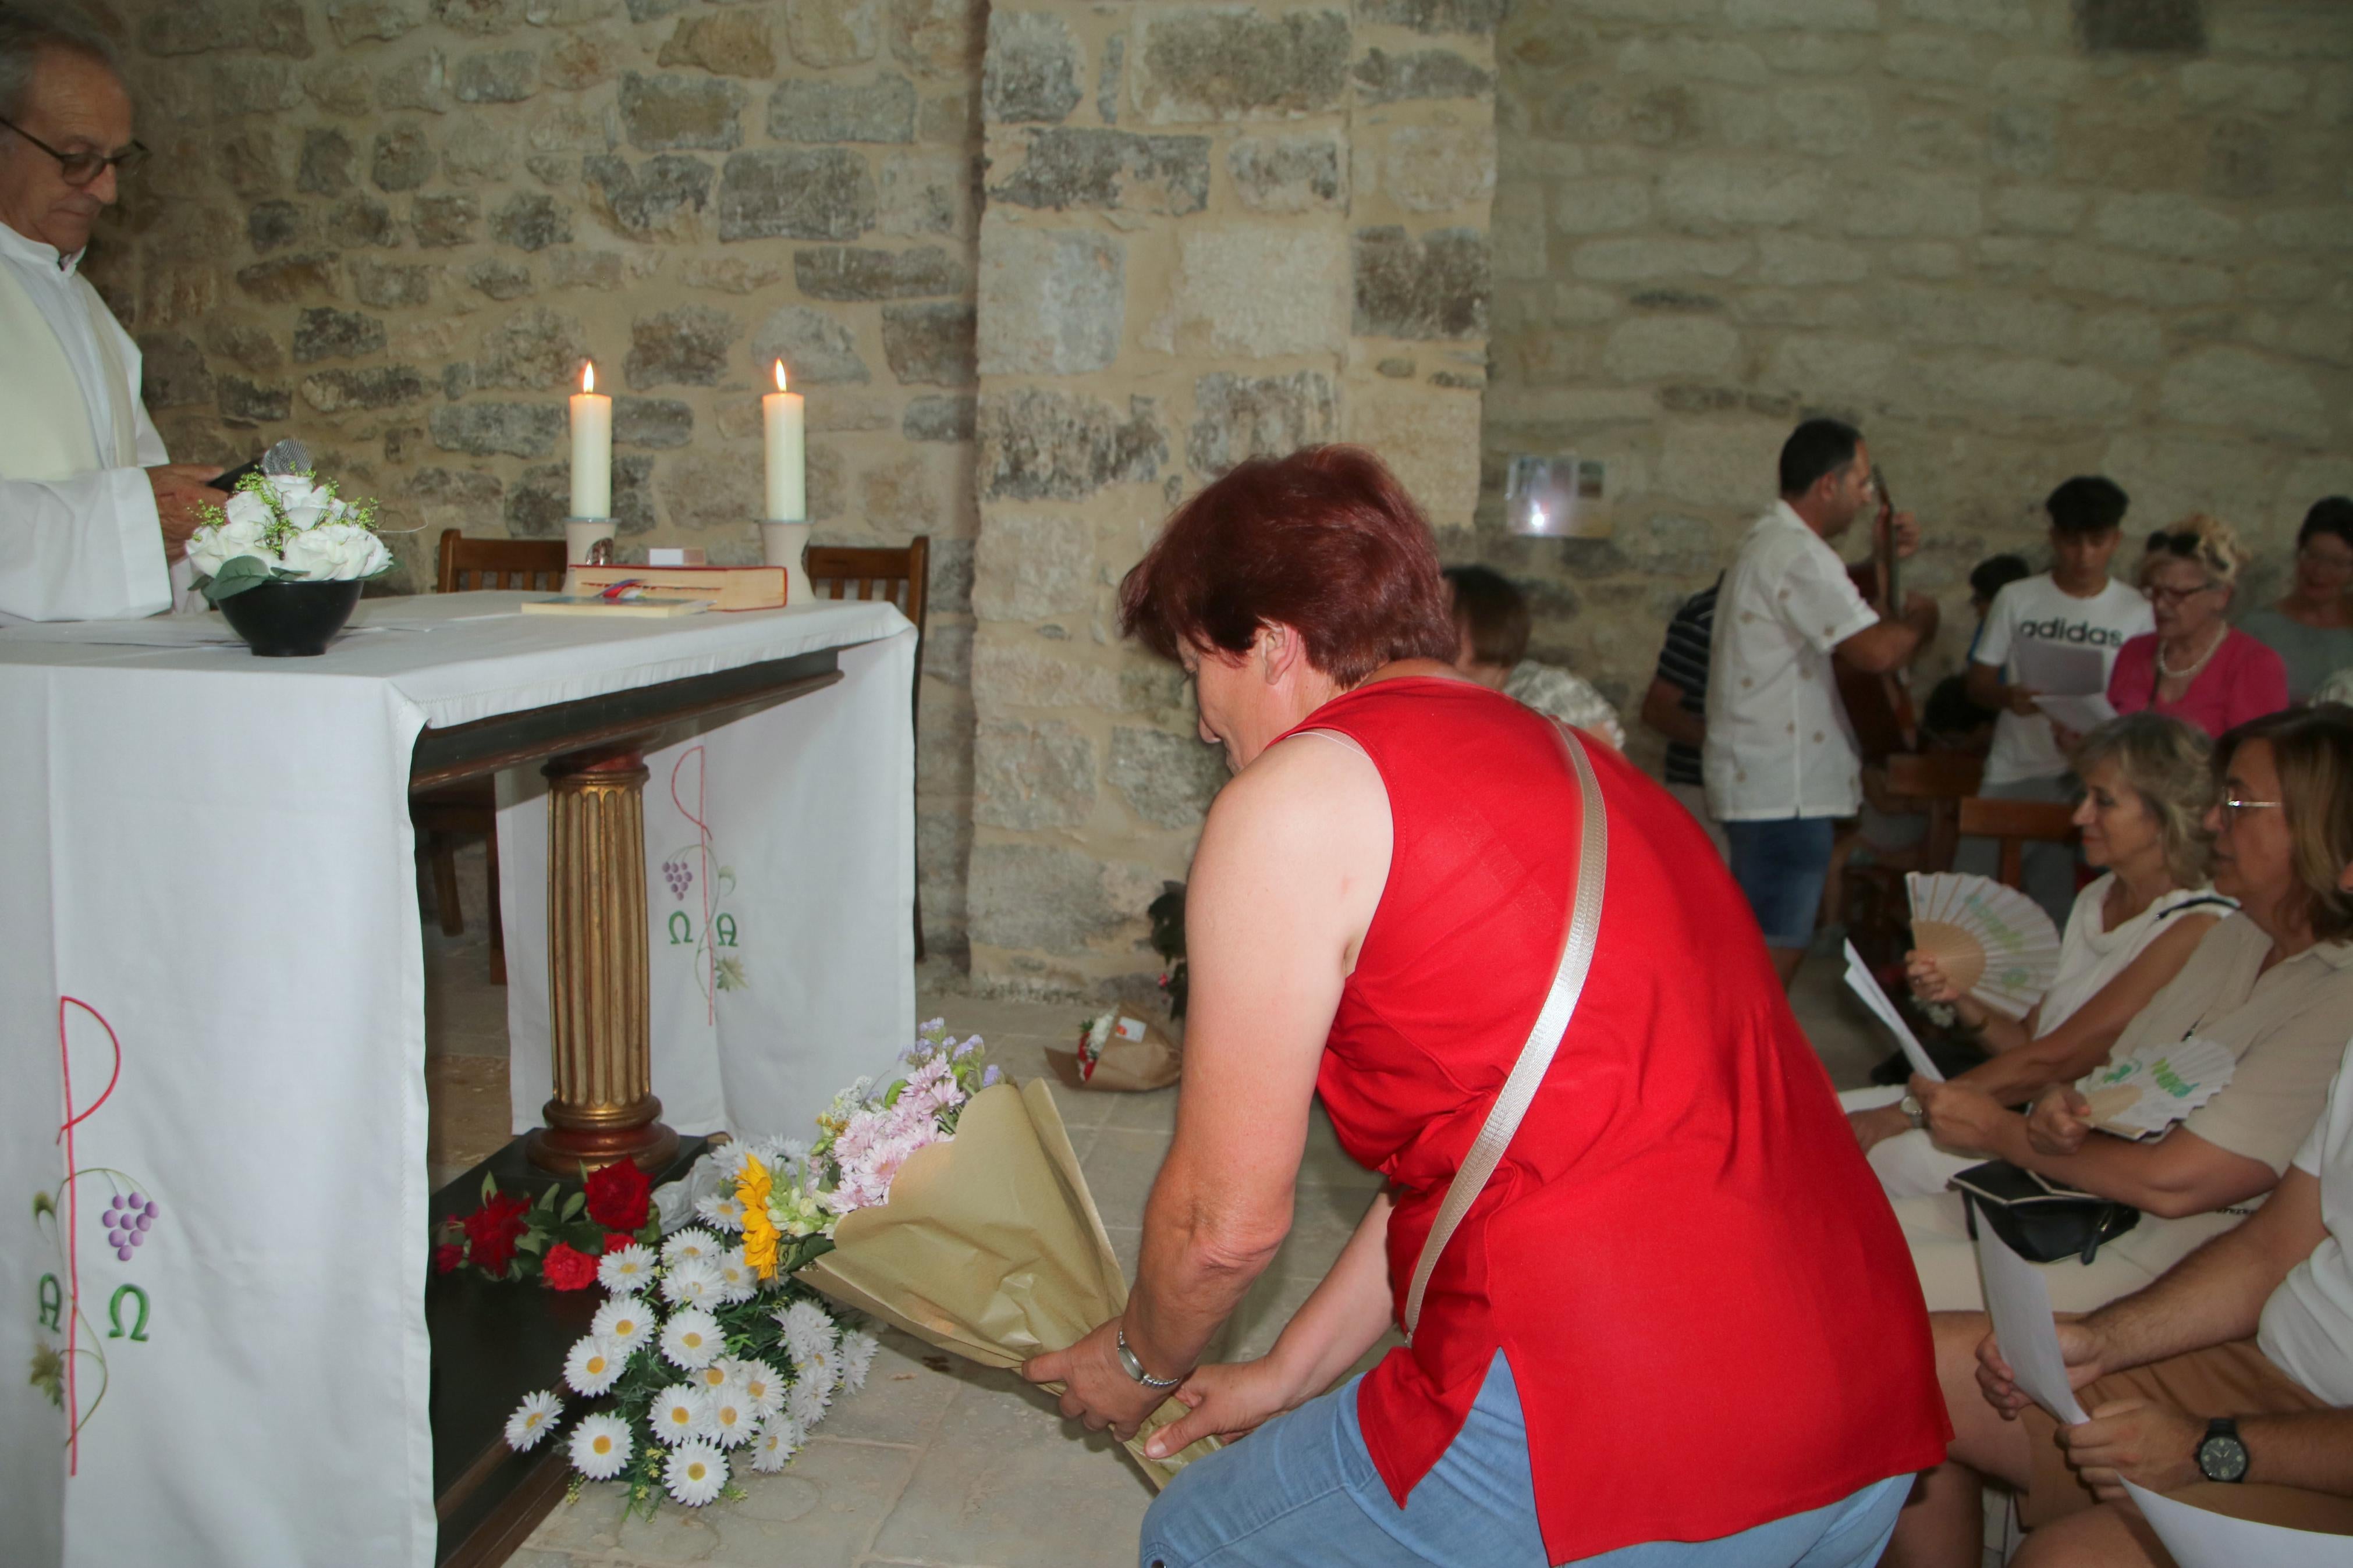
2221, 1456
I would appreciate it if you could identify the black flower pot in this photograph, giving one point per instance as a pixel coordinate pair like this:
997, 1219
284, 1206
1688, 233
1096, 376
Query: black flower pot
291, 620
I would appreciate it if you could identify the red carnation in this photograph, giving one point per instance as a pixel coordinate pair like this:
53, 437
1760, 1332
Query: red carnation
567, 1267
493, 1230
617, 1196
448, 1257
617, 1239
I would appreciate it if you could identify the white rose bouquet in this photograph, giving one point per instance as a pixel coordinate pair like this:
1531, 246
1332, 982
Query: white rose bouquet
285, 528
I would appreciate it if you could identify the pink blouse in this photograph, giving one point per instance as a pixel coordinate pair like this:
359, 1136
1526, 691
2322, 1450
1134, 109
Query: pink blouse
2243, 680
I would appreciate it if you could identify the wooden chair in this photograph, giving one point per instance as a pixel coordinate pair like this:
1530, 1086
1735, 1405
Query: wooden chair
1940, 781
441, 816
2014, 824
903, 577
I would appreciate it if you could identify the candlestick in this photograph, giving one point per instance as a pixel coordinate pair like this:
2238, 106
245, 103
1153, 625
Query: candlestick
592, 448
780, 413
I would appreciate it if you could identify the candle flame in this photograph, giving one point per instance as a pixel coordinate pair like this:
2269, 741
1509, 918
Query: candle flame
780, 376
588, 376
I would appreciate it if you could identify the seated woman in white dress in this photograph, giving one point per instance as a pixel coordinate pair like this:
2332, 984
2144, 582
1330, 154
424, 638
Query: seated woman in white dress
2147, 782
2273, 985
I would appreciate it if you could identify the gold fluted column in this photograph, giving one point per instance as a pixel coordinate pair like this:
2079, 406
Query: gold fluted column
604, 1107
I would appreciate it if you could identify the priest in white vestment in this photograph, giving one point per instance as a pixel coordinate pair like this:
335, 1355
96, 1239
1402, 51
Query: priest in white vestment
93, 514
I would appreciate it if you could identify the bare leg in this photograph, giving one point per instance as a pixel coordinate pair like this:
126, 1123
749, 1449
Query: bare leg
1785, 963
1944, 1524
2111, 1536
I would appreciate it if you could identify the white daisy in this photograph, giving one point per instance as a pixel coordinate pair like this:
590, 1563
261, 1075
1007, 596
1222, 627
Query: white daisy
625, 1321
691, 1281
594, 1365
715, 1377
729, 1160
761, 1386
693, 1242
804, 1405
806, 1326
822, 1367
696, 1473
738, 1282
534, 1419
601, 1446
725, 1210
857, 1356
733, 1418
693, 1338
627, 1272
679, 1413
779, 1440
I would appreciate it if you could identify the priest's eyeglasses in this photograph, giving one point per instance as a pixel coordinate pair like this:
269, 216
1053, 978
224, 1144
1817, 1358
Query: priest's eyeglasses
82, 169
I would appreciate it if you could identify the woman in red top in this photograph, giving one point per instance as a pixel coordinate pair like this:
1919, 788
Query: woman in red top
1679, 1312
2196, 666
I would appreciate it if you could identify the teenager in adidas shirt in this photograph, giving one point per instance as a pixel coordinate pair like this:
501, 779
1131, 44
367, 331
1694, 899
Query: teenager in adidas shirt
2077, 605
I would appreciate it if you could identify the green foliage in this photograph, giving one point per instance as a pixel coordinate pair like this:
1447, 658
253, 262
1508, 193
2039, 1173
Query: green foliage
236, 575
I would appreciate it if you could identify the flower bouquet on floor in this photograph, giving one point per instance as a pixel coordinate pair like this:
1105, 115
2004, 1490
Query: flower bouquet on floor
955, 1209
698, 1362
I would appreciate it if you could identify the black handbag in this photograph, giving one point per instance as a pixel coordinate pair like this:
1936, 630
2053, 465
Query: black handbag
2041, 1222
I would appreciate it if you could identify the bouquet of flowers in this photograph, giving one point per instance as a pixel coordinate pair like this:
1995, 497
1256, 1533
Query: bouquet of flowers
697, 1359
950, 1204
511, 1238
285, 528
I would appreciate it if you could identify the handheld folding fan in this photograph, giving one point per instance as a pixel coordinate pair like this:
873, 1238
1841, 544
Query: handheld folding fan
1994, 943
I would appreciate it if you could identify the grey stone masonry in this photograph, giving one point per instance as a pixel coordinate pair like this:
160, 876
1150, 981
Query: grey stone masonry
1078, 166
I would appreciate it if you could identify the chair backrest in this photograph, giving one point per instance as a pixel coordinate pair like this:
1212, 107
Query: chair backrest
1939, 781
530, 564
901, 576
2014, 823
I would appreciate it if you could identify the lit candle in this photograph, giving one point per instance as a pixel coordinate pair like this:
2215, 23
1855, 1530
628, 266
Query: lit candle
781, 415
592, 448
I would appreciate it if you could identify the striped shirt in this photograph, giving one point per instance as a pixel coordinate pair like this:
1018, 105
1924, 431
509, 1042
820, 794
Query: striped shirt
1682, 664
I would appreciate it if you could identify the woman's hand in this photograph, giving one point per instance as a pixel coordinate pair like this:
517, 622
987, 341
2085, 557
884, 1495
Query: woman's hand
1928, 981
2058, 1122
1877, 1125
1226, 1399
1960, 1118
1096, 1389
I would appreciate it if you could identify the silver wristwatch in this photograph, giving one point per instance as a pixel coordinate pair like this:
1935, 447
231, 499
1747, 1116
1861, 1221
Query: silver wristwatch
1136, 1368
1914, 1111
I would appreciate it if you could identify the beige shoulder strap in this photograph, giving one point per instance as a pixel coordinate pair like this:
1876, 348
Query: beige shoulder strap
43, 424
1519, 1089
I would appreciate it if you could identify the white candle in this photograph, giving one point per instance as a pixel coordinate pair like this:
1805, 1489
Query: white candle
781, 415
592, 448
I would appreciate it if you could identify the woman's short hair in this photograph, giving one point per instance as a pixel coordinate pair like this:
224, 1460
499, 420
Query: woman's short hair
2168, 765
2207, 541
2329, 514
1494, 613
1324, 540
2313, 751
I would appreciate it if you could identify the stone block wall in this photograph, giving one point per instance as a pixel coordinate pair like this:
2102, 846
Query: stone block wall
396, 227
1209, 232
2014, 239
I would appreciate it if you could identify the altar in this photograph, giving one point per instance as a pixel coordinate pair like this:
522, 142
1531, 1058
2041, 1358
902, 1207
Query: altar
212, 1010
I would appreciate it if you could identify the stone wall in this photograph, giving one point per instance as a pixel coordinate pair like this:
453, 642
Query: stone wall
396, 227
1209, 233
2015, 239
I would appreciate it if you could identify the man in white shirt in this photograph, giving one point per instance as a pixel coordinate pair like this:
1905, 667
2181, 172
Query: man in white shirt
92, 512
2075, 614
1779, 759
2230, 1376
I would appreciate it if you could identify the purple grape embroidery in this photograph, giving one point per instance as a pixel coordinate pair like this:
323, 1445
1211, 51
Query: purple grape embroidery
128, 1221
679, 876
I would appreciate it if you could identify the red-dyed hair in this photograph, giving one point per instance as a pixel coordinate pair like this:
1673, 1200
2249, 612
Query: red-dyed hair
1324, 540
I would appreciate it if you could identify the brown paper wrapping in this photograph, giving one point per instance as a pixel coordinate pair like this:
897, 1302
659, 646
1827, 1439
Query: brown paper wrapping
1125, 1066
991, 1248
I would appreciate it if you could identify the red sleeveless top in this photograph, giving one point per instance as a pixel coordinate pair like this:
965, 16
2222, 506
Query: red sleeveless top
1705, 1298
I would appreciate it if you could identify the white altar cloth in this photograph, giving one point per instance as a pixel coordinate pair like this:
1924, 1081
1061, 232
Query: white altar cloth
211, 854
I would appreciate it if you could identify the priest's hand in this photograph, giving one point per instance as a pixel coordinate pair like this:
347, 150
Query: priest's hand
181, 489
1096, 1389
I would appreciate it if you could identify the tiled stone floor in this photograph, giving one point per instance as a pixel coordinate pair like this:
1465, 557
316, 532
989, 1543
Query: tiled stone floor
937, 1462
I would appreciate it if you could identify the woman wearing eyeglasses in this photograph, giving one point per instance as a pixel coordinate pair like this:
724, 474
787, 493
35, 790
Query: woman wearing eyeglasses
2196, 666
2273, 985
2312, 629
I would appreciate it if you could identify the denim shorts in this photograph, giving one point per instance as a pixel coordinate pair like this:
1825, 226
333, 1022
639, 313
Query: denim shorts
1301, 1492
1780, 865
